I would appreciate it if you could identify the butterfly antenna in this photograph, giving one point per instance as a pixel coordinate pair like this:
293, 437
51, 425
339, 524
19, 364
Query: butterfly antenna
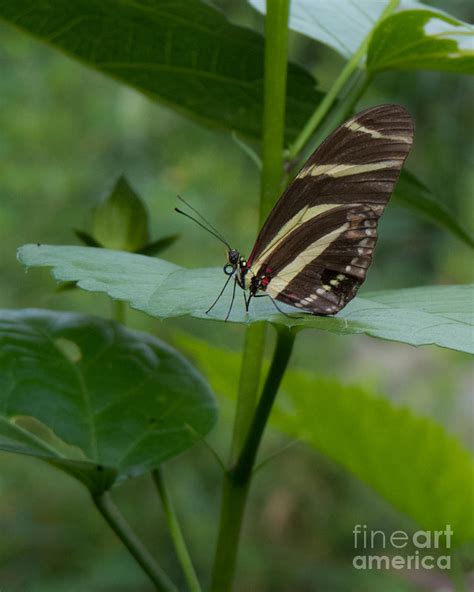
205, 227
209, 225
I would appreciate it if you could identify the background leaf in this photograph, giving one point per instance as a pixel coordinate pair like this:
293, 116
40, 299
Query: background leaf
86, 238
184, 54
422, 39
416, 196
159, 245
340, 24
93, 398
437, 315
410, 460
121, 219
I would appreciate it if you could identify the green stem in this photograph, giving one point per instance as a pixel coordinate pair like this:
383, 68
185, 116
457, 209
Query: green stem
345, 106
331, 96
175, 532
344, 109
276, 51
118, 311
354, 95
121, 528
250, 372
242, 471
238, 478
234, 499
234, 495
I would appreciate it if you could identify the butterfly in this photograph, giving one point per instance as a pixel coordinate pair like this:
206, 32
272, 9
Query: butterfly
315, 247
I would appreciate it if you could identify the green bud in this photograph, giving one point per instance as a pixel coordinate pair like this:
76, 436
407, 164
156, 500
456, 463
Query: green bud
120, 221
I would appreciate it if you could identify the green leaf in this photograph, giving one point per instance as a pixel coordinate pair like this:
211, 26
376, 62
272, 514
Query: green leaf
93, 398
422, 39
409, 460
161, 244
162, 289
184, 54
415, 195
86, 238
443, 301
340, 24
120, 220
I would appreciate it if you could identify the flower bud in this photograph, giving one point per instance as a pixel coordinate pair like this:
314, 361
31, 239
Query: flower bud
120, 221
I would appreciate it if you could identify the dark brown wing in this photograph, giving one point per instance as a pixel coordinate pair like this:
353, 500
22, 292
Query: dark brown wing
317, 242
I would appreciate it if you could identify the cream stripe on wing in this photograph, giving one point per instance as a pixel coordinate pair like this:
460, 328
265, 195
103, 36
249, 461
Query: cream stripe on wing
302, 216
357, 127
344, 170
288, 273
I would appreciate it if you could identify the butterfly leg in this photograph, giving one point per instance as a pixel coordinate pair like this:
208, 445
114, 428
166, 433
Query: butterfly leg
220, 294
275, 305
232, 301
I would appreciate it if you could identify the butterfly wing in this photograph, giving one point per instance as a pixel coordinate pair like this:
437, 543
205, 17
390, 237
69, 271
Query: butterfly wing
317, 243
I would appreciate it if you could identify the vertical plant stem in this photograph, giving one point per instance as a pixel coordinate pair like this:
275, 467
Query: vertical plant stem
249, 381
234, 499
118, 311
276, 50
122, 529
328, 101
238, 478
242, 471
175, 532
234, 494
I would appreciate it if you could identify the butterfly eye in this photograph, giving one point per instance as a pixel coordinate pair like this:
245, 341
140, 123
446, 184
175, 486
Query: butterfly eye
229, 269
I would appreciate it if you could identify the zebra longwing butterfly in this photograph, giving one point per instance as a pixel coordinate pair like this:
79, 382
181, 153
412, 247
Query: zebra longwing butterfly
316, 245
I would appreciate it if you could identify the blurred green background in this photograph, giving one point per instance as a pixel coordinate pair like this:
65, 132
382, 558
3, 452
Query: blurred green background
66, 134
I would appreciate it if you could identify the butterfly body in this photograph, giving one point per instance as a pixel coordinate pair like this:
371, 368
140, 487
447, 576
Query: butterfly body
316, 245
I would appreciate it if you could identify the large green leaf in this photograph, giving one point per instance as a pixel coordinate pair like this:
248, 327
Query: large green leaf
340, 24
93, 398
422, 39
410, 460
413, 38
184, 54
162, 289
416, 196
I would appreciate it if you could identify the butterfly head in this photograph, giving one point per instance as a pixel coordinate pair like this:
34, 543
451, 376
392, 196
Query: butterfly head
233, 259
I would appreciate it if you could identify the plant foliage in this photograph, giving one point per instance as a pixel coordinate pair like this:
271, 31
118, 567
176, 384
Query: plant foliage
421, 316
95, 399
